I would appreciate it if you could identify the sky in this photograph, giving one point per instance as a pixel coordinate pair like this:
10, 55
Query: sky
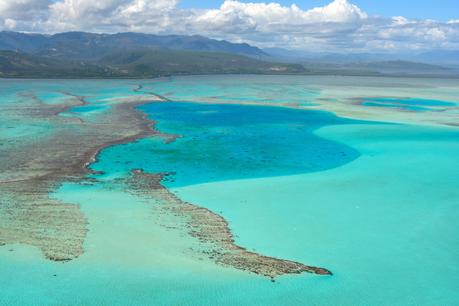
442, 10
309, 25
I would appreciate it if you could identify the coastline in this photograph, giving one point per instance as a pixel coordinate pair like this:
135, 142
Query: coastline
332, 73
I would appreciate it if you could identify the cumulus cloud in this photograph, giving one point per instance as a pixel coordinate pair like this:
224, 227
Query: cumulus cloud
110, 15
339, 25
22, 8
271, 21
23, 14
265, 14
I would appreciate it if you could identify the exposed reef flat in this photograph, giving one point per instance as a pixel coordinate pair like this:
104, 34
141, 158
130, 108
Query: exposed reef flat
213, 230
29, 216
32, 170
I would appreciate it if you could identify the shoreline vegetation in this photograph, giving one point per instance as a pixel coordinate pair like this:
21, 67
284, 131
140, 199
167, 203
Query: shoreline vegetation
321, 74
167, 63
29, 215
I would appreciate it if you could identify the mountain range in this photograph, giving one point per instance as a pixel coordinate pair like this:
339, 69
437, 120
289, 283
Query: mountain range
131, 55
433, 57
92, 46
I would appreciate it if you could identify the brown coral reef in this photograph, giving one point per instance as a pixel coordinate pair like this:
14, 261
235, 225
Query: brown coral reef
212, 230
31, 170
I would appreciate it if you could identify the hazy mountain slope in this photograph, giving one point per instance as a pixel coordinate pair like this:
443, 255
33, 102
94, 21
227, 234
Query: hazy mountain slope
436, 57
137, 64
90, 46
29, 43
166, 62
446, 57
402, 67
381, 68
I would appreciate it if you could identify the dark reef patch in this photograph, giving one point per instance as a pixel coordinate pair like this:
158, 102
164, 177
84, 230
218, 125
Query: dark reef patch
407, 104
227, 142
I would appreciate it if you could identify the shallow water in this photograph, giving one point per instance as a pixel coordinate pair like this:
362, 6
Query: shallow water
384, 223
375, 203
409, 104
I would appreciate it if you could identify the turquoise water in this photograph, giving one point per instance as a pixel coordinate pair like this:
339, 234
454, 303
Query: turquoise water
87, 108
398, 106
51, 97
237, 89
375, 203
385, 224
228, 142
408, 104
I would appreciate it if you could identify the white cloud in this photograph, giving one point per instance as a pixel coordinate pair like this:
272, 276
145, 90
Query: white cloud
20, 8
261, 14
23, 14
109, 15
400, 20
10, 23
339, 25
337, 11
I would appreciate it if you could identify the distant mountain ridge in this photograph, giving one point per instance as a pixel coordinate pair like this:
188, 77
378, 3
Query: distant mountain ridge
131, 55
138, 64
437, 57
92, 46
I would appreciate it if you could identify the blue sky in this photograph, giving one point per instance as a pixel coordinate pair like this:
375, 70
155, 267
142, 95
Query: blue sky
441, 10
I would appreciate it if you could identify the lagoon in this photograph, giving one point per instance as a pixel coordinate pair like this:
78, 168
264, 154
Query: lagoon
297, 166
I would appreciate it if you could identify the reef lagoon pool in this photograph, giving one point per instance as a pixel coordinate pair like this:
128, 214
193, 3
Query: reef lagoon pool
230, 190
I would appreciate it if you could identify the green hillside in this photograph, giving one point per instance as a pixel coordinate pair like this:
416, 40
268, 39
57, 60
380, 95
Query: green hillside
137, 64
167, 62
20, 65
